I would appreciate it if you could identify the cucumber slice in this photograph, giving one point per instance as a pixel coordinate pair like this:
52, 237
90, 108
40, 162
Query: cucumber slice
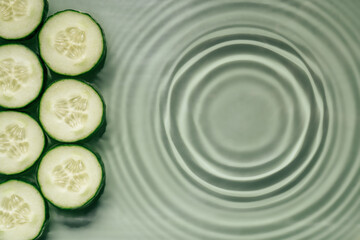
21, 76
71, 110
70, 176
21, 142
23, 211
20, 18
71, 43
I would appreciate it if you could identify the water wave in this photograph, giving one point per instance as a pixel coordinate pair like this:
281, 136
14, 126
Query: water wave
239, 119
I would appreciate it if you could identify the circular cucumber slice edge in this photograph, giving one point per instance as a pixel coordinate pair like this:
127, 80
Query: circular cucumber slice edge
100, 189
97, 66
35, 29
44, 228
97, 131
41, 153
44, 76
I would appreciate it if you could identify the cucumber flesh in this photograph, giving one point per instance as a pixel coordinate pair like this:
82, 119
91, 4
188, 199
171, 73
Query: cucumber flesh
21, 76
22, 211
71, 43
20, 18
70, 176
71, 110
21, 142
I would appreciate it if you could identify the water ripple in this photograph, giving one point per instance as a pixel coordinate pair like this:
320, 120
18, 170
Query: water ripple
238, 119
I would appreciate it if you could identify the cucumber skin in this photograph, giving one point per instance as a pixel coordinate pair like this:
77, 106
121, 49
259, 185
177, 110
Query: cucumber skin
36, 29
100, 190
45, 227
97, 133
98, 65
28, 170
45, 75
